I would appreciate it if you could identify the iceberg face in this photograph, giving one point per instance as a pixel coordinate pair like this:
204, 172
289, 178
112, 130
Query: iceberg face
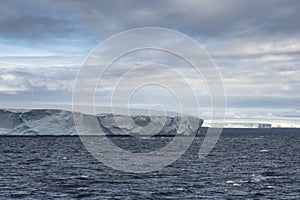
61, 122
36, 122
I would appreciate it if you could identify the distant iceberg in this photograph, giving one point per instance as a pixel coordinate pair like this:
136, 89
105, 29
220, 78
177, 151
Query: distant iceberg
60, 122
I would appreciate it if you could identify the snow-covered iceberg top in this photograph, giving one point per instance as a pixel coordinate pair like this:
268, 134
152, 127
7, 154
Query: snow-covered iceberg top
61, 122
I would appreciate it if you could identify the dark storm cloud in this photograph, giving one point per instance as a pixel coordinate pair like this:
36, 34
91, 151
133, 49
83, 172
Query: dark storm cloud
196, 18
34, 20
39, 20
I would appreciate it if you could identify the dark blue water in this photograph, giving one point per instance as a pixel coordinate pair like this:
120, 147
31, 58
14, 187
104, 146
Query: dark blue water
257, 165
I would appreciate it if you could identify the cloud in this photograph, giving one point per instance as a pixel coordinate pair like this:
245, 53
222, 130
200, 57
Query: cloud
19, 84
11, 84
47, 20
255, 45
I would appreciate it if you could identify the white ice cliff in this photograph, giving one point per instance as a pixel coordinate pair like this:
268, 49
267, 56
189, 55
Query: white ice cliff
61, 122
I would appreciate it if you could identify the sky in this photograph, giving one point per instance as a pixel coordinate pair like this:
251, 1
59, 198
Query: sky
254, 44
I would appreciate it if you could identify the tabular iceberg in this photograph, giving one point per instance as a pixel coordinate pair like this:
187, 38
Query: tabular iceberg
61, 122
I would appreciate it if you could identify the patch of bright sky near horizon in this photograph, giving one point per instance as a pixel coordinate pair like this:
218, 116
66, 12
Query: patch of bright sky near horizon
255, 44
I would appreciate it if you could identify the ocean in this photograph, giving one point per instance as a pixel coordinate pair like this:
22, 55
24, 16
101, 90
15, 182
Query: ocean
256, 164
